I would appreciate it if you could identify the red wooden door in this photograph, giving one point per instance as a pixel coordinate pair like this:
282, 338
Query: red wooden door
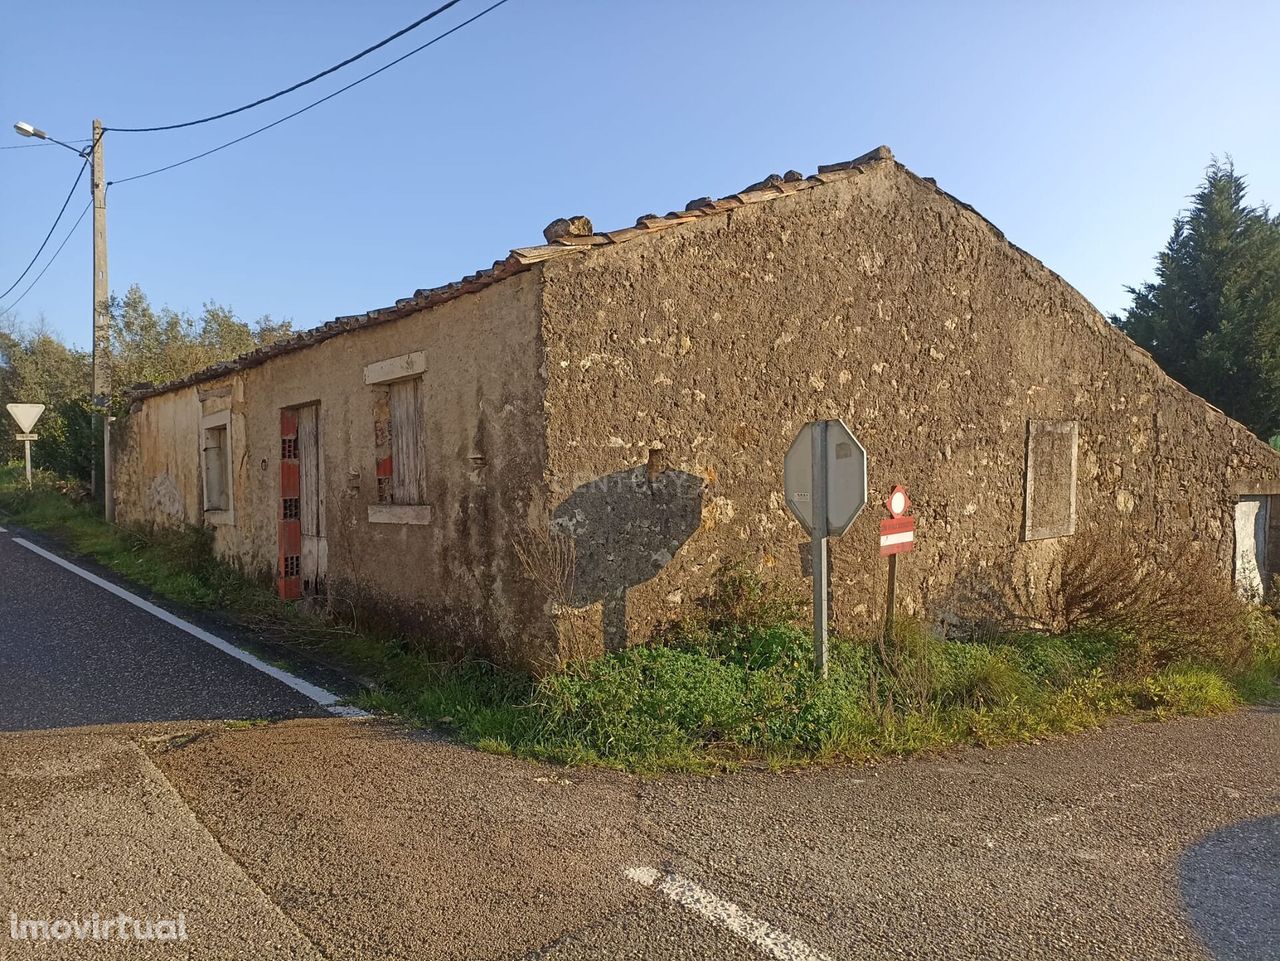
289, 565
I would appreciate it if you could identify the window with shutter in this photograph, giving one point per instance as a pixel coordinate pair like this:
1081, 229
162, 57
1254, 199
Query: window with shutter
408, 483
399, 444
215, 458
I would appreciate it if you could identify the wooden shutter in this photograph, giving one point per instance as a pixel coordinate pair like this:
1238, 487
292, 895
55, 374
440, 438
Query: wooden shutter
407, 481
289, 564
309, 468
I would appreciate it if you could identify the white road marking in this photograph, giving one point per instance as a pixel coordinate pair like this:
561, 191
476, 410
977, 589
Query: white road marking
3, 531
326, 699
765, 937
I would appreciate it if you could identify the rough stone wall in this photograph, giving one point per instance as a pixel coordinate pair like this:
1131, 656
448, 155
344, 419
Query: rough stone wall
880, 300
156, 462
455, 581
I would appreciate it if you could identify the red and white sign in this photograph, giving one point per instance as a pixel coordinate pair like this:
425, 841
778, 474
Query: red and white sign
898, 532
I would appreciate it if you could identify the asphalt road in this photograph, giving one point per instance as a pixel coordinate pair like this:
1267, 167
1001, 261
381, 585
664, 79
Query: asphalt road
73, 654
1139, 841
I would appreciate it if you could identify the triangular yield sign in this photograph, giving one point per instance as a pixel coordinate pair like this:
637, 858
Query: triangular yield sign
26, 415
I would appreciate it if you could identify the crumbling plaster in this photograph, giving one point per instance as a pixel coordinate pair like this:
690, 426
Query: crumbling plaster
455, 580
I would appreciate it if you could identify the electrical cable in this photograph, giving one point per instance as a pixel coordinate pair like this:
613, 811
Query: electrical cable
42, 143
280, 93
275, 123
56, 221
8, 307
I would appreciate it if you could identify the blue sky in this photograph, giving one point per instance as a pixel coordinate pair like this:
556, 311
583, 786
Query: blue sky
1078, 128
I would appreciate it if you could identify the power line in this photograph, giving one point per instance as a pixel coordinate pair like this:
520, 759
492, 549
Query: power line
280, 93
42, 143
275, 123
79, 220
56, 221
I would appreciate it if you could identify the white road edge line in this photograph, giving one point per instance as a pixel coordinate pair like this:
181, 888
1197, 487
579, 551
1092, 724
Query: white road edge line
326, 699
765, 937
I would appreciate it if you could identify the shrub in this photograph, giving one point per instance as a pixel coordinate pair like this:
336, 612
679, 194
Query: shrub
1166, 611
792, 708
1157, 604
643, 702
1186, 689
1059, 659
976, 675
743, 619
740, 598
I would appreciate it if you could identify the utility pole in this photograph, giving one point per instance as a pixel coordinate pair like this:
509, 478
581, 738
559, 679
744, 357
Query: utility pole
101, 317
100, 477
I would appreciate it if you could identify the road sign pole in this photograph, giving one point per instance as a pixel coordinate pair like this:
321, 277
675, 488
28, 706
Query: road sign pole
826, 488
892, 597
818, 439
897, 536
27, 445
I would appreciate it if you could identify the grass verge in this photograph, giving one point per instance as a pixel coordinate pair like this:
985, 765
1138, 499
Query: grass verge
728, 685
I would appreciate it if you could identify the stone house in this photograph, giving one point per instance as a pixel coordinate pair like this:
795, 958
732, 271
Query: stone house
555, 454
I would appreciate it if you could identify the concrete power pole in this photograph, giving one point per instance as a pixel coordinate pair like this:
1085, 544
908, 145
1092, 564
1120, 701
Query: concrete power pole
101, 317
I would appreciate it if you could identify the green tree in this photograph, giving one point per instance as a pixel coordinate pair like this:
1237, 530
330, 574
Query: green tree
157, 346
1211, 319
38, 368
147, 345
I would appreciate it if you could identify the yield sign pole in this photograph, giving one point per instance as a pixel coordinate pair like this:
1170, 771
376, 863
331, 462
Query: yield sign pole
26, 415
818, 545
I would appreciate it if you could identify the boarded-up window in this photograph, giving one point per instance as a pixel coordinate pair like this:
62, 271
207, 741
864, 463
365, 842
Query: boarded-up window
1050, 509
216, 453
408, 475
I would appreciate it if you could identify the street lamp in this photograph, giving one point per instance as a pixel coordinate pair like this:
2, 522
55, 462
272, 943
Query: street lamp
101, 320
27, 130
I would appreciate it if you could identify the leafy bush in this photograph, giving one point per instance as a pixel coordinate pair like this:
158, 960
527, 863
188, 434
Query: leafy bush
1186, 689
742, 618
643, 702
1059, 659
976, 675
1163, 611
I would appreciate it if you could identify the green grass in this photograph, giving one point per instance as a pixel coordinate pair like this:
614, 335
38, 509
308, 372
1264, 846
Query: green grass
731, 684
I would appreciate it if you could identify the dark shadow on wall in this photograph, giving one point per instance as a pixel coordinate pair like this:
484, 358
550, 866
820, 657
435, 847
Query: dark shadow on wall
625, 527
1230, 883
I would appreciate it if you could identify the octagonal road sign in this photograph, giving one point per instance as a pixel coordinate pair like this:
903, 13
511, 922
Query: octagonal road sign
846, 477
26, 415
